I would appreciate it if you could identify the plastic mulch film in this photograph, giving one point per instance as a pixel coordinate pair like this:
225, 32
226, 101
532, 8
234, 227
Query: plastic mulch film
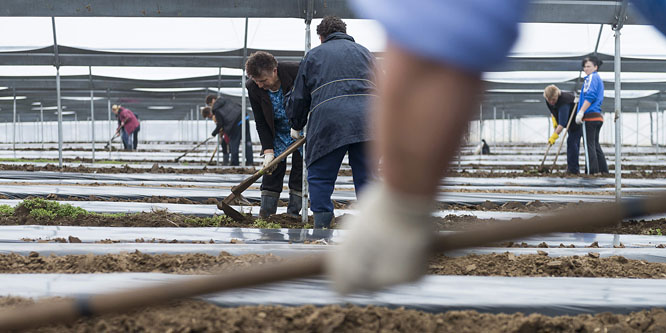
12, 234
295, 249
547, 295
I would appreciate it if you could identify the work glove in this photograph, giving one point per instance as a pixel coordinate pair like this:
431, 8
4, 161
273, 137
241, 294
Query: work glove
213, 133
554, 121
268, 157
388, 242
579, 117
295, 134
553, 138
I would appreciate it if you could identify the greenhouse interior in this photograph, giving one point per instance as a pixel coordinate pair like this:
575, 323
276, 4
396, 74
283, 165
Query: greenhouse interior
333, 166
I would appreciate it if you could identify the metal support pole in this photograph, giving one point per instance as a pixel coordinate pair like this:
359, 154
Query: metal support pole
92, 113
656, 128
191, 127
219, 80
197, 111
57, 66
480, 122
637, 124
494, 124
41, 120
510, 123
651, 129
14, 123
618, 117
503, 127
243, 150
304, 189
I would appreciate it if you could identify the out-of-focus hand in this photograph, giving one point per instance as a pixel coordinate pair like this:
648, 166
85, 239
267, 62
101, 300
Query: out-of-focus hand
579, 117
295, 134
554, 121
553, 138
388, 242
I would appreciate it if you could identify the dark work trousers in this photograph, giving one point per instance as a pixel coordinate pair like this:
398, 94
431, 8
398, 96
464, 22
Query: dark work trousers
323, 172
573, 150
234, 143
594, 152
248, 145
127, 139
273, 182
225, 151
135, 134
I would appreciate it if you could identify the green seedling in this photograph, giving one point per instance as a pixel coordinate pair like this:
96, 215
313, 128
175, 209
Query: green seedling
6, 210
262, 224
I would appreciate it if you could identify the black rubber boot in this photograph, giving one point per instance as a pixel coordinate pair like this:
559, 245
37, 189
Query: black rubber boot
322, 220
295, 205
268, 205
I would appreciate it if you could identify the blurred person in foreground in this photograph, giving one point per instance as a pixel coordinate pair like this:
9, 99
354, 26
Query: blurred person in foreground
434, 58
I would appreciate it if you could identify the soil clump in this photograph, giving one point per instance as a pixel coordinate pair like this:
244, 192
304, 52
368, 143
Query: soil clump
503, 264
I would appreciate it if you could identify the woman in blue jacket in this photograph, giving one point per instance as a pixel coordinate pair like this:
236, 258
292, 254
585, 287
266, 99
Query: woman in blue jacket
589, 111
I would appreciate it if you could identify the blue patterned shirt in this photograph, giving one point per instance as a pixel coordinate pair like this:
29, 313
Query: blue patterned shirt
282, 138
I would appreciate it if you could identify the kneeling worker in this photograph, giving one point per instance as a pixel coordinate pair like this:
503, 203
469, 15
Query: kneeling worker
561, 105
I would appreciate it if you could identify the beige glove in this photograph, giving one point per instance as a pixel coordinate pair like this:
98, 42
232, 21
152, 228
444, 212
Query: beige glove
268, 157
388, 242
295, 134
579, 117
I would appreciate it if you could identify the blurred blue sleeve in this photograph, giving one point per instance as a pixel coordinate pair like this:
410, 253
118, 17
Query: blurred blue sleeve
654, 11
474, 35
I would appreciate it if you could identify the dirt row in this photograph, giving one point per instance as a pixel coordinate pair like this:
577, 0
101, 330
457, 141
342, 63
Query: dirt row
200, 316
167, 219
647, 172
503, 264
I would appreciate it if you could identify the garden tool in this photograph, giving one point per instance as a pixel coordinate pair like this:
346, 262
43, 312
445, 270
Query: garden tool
566, 131
587, 156
193, 149
70, 310
108, 144
238, 189
541, 169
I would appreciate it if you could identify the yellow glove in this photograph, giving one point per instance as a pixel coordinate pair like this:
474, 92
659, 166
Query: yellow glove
554, 122
553, 138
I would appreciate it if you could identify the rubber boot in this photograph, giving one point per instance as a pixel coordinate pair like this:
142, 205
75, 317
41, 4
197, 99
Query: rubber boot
269, 204
295, 205
322, 220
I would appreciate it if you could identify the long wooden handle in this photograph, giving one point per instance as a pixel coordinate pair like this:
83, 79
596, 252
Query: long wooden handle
545, 155
566, 131
242, 186
193, 149
214, 152
70, 310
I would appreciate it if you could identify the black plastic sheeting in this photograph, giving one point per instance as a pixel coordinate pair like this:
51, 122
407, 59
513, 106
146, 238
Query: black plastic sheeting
547, 295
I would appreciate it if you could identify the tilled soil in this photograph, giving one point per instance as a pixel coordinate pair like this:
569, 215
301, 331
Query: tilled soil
200, 316
156, 168
504, 264
167, 219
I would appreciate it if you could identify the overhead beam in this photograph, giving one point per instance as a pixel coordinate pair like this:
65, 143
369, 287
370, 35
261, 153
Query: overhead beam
579, 11
172, 8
